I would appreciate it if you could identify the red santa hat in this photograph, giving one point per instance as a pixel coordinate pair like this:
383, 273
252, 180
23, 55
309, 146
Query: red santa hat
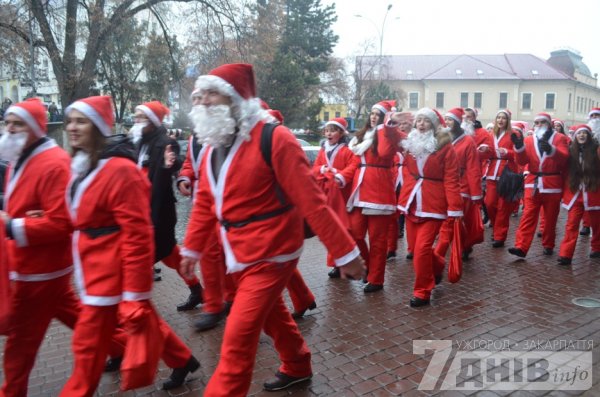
507, 112
339, 122
433, 115
385, 106
543, 117
276, 114
33, 112
517, 125
562, 123
98, 109
580, 127
475, 112
593, 112
155, 111
456, 114
236, 80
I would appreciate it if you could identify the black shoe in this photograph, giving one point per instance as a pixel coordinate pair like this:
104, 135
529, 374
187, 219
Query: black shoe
157, 277
564, 261
418, 302
391, 256
193, 300
585, 231
334, 273
497, 243
517, 252
283, 381
157, 270
595, 254
409, 255
372, 288
466, 253
227, 307
113, 364
178, 375
300, 314
438, 279
208, 321
548, 251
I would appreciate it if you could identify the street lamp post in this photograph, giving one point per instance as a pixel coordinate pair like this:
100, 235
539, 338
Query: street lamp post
381, 31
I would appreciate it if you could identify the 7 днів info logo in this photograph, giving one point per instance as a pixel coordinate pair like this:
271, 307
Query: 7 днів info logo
505, 369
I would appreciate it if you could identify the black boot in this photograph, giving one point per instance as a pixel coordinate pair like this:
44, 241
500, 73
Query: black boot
178, 375
193, 300
113, 364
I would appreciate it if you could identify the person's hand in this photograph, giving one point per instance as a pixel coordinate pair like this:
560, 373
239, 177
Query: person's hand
483, 148
169, 156
187, 267
34, 213
354, 270
184, 188
545, 146
502, 151
5, 217
517, 140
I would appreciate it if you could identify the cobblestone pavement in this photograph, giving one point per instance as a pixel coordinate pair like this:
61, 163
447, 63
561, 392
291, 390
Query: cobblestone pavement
363, 344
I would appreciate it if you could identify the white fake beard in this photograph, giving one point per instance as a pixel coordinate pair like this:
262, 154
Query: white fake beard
136, 132
420, 143
80, 164
12, 145
595, 126
468, 128
540, 131
213, 125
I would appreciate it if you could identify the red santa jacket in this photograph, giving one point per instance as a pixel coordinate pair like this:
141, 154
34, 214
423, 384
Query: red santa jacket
373, 185
497, 159
469, 167
397, 176
113, 240
191, 166
246, 188
431, 183
342, 159
546, 173
40, 248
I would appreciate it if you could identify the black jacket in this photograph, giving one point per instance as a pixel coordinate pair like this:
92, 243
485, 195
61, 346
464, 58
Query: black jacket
164, 216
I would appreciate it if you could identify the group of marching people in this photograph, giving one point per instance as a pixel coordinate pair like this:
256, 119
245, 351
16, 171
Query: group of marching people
105, 215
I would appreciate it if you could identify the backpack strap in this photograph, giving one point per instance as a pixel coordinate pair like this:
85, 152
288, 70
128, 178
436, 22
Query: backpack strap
266, 142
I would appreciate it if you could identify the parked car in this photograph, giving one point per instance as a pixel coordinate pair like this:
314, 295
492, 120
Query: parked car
303, 142
311, 153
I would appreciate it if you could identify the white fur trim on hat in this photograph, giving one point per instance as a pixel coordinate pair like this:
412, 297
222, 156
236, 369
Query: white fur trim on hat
27, 118
430, 114
380, 108
333, 122
209, 81
453, 117
91, 114
543, 117
593, 112
150, 114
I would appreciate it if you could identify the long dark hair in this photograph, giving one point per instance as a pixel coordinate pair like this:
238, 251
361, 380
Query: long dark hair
360, 135
585, 172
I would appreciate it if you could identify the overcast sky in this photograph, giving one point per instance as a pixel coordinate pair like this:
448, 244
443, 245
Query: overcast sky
420, 27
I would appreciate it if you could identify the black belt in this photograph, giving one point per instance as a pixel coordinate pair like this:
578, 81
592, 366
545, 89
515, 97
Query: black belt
373, 165
417, 177
255, 218
498, 158
96, 232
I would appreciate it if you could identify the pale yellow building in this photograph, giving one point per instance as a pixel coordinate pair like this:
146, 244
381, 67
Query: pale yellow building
525, 84
331, 111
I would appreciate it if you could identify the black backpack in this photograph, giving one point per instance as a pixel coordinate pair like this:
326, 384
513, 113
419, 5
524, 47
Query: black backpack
266, 144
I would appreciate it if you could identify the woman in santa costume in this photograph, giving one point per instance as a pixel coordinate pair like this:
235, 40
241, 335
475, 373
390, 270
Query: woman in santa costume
334, 168
257, 209
109, 202
431, 194
469, 169
372, 201
581, 194
498, 149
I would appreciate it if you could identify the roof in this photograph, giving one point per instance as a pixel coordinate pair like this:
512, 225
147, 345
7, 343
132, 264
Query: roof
469, 67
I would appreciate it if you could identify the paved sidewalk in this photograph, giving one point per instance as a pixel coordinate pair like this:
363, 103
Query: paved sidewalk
363, 344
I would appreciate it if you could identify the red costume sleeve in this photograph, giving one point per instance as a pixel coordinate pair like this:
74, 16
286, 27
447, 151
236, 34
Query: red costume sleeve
473, 170
452, 184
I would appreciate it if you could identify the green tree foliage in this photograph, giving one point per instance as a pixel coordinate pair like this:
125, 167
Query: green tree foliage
379, 91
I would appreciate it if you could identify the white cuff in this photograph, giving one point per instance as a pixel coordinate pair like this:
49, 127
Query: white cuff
136, 296
455, 214
476, 198
340, 178
18, 232
190, 253
519, 150
344, 260
182, 179
323, 169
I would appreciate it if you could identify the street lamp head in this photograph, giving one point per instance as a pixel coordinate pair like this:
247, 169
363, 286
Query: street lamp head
389, 7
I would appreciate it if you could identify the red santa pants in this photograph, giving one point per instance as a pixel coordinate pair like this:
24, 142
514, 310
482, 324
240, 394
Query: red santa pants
499, 211
576, 213
392, 235
91, 340
421, 236
533, 202
301, 296
258, 306
375, 254
173, 261
33, 305
218, 286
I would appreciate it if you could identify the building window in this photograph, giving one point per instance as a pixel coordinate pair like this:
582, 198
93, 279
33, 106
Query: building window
326, 116
578, 107
503, 102
413, 100
550, 96
477, 100
569, 104
526, 102
337, 114
439, 100
464, 99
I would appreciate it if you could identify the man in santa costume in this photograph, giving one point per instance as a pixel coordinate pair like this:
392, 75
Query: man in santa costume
260, 230
469, 168
38, 228
546, 154
154, 147
431, 194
